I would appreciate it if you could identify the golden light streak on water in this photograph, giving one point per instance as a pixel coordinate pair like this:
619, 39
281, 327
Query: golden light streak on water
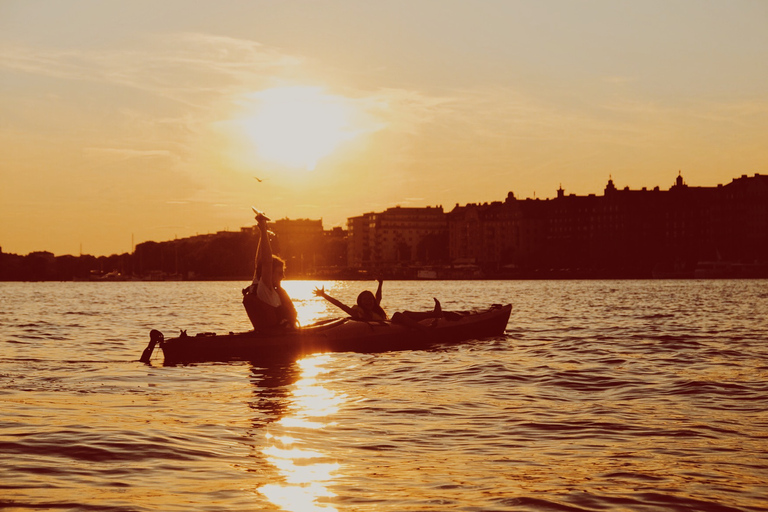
309, 307
305, 473
297, 499
638, 395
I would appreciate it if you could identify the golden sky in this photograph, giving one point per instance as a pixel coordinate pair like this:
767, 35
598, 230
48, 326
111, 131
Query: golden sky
150, 120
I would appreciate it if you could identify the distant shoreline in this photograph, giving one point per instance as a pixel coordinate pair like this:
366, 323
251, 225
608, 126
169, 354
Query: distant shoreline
362, 279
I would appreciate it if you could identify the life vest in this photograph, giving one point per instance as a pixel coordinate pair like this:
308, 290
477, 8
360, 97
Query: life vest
266, 317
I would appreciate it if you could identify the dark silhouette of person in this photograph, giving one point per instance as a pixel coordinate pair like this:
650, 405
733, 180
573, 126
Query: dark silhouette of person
368, 307
268, 305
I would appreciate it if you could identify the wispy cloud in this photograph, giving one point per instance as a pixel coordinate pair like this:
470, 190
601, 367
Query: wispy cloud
178, 66
408, 110
198, 71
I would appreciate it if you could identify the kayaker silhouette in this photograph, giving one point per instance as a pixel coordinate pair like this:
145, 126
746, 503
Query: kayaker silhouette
368, 307
268, 305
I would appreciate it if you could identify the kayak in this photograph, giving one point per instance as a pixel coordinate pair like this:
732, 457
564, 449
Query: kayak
337, 335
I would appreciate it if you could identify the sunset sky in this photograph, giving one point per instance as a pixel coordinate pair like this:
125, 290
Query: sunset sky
150, 120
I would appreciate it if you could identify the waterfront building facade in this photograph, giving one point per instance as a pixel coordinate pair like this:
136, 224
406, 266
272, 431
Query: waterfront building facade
622, 233
396, 237
685, 231
306, 247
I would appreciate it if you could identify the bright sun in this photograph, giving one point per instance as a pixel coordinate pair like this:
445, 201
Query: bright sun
295, 127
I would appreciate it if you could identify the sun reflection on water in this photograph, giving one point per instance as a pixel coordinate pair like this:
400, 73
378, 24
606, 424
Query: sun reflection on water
309, 307
305, 472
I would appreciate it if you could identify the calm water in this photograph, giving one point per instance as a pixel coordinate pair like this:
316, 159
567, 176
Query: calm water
602, 395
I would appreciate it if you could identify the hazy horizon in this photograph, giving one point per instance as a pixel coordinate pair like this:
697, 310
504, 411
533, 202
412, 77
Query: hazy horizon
163, 120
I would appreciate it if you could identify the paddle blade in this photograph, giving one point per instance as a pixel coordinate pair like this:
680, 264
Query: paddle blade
259, 213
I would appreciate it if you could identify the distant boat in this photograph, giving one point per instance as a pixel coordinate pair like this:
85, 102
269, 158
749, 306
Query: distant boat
426, 273
96, 275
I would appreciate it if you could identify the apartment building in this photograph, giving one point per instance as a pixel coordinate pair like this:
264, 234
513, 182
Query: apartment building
395, 237
623, 232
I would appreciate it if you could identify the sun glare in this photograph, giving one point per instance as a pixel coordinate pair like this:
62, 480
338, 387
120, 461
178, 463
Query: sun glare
295, 127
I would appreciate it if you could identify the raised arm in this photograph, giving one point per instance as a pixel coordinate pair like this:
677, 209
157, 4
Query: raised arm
256, 262
320, 292
263, 253
378, 291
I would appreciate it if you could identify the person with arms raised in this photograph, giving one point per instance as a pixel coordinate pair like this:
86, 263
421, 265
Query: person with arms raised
368, 307
268, 305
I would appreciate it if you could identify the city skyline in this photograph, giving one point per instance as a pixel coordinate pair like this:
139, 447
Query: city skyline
447, 209
145, 121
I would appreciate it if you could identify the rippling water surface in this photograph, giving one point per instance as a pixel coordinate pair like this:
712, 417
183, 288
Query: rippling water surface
602, 395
